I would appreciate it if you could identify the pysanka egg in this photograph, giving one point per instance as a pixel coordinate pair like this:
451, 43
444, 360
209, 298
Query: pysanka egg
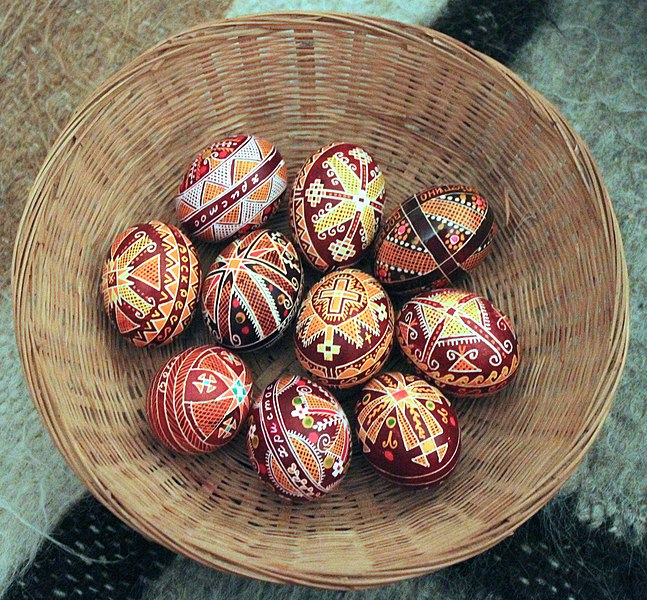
252, 290
460, 341
150, 283
199, 399
408, 430
344, 330
336, 205
232, 186
299, 439
433, 237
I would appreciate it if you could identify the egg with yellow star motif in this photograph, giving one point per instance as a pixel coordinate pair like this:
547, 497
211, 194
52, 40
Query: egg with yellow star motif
336, 205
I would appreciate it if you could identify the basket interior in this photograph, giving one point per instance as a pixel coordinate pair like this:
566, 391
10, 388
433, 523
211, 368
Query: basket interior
430, 112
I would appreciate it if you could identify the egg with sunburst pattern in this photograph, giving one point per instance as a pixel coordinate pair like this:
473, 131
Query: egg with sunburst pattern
252, 291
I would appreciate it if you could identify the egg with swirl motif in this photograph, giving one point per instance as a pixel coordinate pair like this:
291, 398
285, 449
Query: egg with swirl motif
299, 438
150, 283
433, 238
199, 399
344, 330
232, 186
252, 291
408, 430
460, 341
336, 205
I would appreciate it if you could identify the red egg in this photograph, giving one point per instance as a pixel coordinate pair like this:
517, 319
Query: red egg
336, 205
433, 238
252, 291
232, 186
199, 399
460, 341
299, 438
408, 430
344, 331
150, 283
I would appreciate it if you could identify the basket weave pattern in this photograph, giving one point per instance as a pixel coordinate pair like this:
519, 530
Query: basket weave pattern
429, 110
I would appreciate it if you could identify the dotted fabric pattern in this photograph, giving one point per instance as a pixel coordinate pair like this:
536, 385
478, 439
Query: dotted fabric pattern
565, 561
119, 563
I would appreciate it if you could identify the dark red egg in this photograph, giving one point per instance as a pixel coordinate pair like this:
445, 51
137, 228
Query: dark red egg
336, 205
408, 430
299, 438
252, 291
433, 238
460, 341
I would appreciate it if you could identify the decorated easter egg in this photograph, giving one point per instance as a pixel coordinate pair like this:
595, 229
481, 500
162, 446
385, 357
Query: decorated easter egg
199, 399
336, 205
433, 238
150, 283
408, 430
299, 438
460, 341
344, 330
252, 290
232, 186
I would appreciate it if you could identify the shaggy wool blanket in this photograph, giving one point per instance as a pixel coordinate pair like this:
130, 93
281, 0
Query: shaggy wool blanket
588, 57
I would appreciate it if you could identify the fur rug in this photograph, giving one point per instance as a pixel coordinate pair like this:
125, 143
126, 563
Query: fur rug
589, 58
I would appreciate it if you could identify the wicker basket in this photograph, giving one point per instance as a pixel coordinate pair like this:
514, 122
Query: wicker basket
430, 110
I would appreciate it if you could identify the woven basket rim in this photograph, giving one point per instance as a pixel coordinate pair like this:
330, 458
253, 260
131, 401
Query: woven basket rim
580, 155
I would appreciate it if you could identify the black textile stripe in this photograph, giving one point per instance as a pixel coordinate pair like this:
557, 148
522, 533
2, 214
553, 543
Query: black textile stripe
497, 28
128, 562
563, 560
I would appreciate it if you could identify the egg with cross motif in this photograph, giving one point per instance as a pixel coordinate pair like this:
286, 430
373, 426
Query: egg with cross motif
199, 399
344, 329
336, 205
433, 238
408, 430
460, 341
299, 438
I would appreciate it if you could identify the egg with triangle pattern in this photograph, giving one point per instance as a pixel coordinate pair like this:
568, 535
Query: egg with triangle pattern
460, 341
232, 186
150, 283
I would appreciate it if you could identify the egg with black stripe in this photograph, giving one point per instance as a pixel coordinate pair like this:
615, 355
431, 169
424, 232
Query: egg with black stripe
433, 238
